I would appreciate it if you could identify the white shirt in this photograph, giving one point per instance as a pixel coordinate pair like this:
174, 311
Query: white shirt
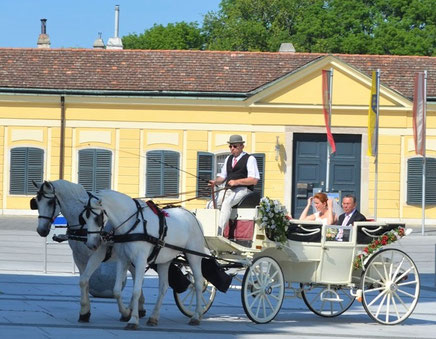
252, 170
347, 217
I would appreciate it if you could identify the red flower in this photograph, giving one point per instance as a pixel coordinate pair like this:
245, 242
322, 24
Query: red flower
366, 250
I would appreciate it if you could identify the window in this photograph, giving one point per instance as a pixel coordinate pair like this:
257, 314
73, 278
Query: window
27, 164
414, 181
209, 165
95, 169
162, 177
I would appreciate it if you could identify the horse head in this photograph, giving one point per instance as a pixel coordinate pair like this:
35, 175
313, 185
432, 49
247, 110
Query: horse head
94, 217
48, 206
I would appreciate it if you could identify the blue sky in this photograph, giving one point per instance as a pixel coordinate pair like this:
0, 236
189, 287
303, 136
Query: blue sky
76, 23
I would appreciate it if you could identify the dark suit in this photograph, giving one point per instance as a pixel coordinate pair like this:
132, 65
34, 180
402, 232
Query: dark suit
357, 216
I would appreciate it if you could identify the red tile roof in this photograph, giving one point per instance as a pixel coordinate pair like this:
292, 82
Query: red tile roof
156, 71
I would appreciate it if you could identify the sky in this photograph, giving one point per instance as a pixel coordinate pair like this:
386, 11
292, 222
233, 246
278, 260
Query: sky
76, 23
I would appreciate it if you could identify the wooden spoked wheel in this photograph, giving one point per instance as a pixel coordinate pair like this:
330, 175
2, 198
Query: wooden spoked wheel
390, 286
187, 301
327, 300
263, 290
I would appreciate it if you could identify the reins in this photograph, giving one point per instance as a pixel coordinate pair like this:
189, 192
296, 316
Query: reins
158, 243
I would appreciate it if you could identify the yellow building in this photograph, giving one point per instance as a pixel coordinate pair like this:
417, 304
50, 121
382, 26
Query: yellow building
150, 123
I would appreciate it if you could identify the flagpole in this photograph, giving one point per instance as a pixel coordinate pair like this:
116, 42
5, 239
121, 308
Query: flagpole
377, 86
424, 160
327, 181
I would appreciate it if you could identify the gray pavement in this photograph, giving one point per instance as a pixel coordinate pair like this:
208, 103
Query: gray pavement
35, 304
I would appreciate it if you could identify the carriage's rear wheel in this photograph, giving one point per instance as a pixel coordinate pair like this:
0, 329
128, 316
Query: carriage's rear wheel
326, 300
390, 286
263, 290
187, 301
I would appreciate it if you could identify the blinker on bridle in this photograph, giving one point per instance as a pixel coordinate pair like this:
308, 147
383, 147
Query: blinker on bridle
99, 218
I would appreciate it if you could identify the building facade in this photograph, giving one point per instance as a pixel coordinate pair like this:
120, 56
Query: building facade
155, 124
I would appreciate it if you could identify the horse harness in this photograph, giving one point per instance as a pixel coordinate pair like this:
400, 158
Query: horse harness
79, 234
158, 242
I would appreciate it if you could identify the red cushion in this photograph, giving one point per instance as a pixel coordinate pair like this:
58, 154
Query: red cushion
244, 230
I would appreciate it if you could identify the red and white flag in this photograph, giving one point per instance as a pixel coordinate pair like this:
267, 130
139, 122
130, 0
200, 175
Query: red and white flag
326, 106
419, 102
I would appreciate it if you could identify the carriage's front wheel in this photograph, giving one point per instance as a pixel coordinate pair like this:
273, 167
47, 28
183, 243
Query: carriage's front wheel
390, 286
326, 300
187, 302
263, 290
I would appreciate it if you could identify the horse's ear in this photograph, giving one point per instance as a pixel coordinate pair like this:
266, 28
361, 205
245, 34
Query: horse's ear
35, 184
48, 185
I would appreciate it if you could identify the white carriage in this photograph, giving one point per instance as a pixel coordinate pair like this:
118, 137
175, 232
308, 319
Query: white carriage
311, 266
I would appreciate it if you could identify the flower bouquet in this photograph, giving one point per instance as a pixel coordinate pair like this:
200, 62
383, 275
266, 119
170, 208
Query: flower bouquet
376, 244
331, 233
274, 218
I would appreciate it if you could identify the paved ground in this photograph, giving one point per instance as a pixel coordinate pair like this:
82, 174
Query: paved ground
38, 305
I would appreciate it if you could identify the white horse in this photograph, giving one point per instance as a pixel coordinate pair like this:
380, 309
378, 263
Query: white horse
126, 217
65, 197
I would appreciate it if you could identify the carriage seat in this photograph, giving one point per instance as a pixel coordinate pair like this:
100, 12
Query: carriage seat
305, 232
242, 231
366, 234
251, 200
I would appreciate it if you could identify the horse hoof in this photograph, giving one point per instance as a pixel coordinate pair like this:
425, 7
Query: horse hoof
84, 318
152, 322
131, 327
194, 322
141, 313
125, 319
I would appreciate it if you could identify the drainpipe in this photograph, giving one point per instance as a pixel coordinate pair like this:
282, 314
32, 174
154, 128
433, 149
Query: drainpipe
62, 143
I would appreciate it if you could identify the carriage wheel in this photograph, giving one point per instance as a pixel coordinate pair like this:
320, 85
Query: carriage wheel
326, 301
263, 290
390, 286
187, 301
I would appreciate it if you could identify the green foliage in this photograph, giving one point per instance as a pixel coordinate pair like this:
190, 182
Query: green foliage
402, 27
180, 35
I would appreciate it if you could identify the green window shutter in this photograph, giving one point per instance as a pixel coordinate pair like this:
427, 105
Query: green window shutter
414, 181
103, 169
27, 164
171, 173
153, 174
260, 158
204, 173
86, 169
430, 181
162, 177
35, 158
95, 169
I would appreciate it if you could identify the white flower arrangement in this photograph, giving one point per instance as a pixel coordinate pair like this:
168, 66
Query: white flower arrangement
274, 218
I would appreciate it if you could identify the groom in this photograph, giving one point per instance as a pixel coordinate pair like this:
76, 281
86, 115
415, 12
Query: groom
350, 215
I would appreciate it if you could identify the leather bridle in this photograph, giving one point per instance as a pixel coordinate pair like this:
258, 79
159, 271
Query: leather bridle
52, 200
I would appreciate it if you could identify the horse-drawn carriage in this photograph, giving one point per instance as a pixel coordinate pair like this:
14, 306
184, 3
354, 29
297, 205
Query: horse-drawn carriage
328, 275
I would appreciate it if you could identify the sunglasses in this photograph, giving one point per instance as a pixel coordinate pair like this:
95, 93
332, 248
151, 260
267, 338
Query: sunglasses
233, 146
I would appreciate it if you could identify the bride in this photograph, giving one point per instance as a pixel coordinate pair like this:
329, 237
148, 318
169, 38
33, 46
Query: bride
324, 209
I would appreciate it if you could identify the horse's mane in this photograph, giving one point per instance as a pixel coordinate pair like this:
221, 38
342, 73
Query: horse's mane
65, 188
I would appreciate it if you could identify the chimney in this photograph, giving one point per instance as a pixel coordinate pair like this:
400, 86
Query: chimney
43, 39
99, 43
287, 47
115, 42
